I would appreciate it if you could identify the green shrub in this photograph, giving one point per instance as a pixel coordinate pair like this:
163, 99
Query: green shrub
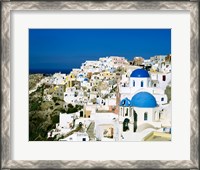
34, 106
54, 99
72, 110
70, 105
55, 119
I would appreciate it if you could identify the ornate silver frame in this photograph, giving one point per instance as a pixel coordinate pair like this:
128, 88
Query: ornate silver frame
8, 6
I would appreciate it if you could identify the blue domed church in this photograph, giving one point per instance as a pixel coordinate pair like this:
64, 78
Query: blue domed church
140, 103
140, 78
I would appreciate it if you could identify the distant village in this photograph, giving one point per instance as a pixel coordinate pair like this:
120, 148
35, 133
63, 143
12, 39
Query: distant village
112, 99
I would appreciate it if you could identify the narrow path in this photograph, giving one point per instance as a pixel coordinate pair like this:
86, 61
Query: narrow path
71, 132
90, 131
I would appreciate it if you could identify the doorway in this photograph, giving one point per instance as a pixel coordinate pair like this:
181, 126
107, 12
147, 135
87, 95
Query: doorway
125, 125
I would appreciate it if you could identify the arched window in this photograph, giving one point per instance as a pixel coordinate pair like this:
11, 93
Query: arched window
133, 83
145, 116
142, 83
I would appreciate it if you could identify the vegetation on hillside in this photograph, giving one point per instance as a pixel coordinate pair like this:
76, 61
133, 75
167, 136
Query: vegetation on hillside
34, 79
43, 115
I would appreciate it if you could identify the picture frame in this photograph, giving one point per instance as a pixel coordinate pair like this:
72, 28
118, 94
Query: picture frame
9, 6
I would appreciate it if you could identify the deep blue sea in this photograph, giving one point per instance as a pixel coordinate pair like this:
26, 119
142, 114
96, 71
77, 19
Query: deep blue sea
49, 71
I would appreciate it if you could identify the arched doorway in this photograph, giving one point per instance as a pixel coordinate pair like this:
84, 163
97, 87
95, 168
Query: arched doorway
125, 125
135, 121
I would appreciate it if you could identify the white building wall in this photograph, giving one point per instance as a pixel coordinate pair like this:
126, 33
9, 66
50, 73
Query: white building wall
65, 120
111, 102
138, 82
140, 114
159, 77
104, 118
161, 98
154, 76
163, 84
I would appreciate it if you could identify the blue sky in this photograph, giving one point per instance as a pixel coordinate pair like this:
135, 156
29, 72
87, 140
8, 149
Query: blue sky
68, 48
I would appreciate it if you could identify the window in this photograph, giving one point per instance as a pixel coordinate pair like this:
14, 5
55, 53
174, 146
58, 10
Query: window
145, 116
142, 83
84, 139
126, 112
162, 99
133, 83
164, 77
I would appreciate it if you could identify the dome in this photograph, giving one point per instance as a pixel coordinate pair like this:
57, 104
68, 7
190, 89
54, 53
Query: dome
125, 102
144, 100
85, 79
140, 73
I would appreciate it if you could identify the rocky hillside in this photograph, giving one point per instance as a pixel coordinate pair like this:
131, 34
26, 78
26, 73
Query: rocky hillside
43, 115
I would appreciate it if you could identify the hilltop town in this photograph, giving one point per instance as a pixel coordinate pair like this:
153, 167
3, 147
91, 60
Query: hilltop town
111, 99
